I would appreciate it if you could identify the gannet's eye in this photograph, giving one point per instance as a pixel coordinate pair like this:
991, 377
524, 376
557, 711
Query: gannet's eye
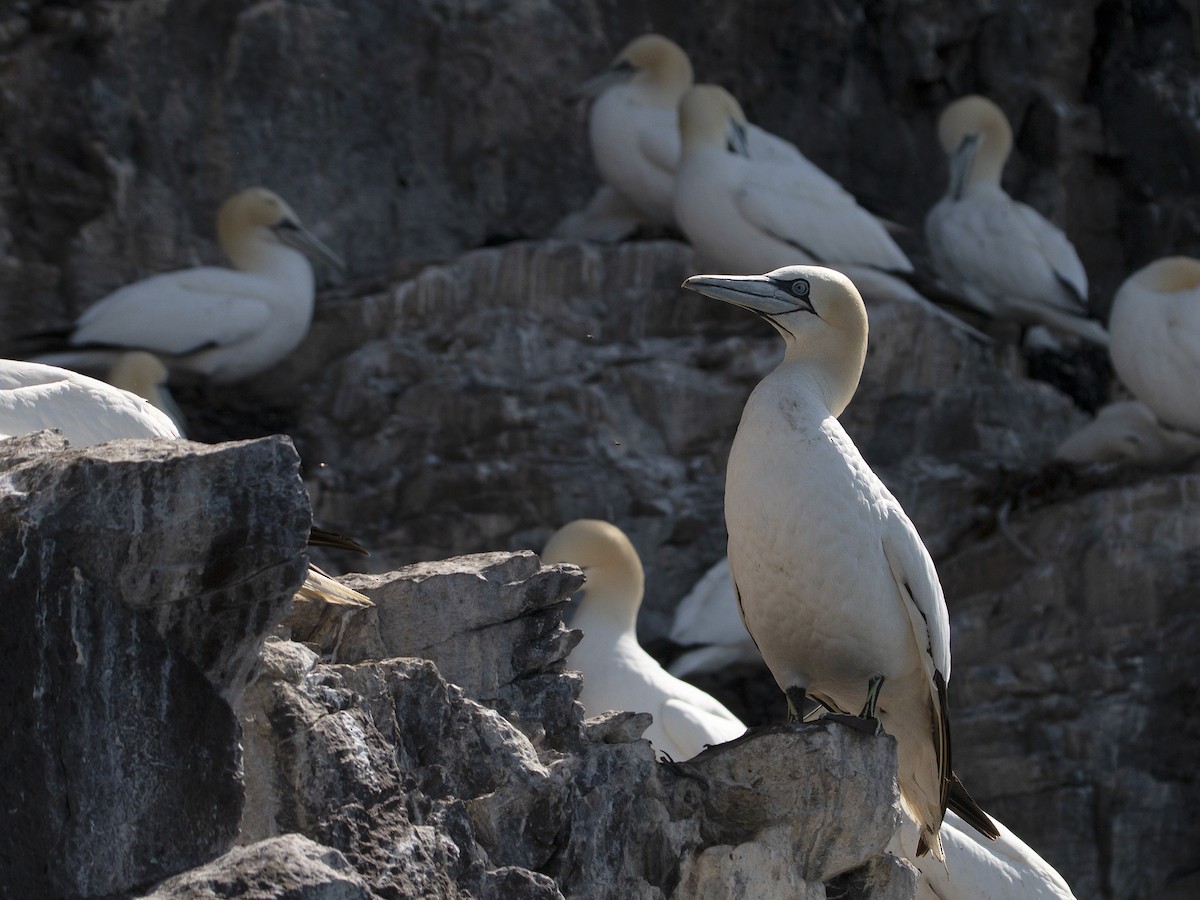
800, 288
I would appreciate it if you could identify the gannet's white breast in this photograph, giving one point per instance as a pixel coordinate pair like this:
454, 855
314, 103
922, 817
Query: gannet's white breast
798, 490
1007, 260
86, 410
619, 675
222, 323
1155, 339
636, 148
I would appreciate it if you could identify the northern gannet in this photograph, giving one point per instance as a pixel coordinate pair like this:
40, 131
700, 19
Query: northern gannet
977, 869
1001, 256
1155, 332
833, 581
144, 374
1128, 432
633, 128
86, 410
746, 215
223, 324
617, 673
707, 621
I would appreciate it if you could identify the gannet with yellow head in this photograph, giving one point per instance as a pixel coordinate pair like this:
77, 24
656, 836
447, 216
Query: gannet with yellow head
832, 579
617, 673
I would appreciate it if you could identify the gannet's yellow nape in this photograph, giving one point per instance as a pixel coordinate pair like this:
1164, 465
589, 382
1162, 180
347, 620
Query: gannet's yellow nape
1155, 332
1002, 257
617, 673
746, 213
850, 613
223, 324
656, 65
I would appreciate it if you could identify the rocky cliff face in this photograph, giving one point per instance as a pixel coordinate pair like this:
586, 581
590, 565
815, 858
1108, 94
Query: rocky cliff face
474, 405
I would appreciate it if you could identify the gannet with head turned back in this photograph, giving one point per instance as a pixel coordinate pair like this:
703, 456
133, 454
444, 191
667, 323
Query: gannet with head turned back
833, 581
634, 132
1155, 329
223, 324
87, 411
144, 374
1128, 432
1002, 256
617, 673
747, 215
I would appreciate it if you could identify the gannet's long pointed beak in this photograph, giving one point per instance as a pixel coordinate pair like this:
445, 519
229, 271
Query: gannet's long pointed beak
618, 73
296, 235
960, 164
758, 293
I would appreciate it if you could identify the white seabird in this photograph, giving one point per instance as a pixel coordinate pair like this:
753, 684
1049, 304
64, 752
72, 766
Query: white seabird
833, 581
633, 128
747, 215
1128, 432
1001, 256
1155, 332
144, 374
617, 673
86, 410
223, 324
707, 620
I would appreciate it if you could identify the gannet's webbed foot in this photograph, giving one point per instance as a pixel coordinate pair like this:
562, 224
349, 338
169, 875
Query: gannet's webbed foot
796, 701
866, 721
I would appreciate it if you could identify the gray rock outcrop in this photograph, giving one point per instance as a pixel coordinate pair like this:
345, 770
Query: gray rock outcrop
140, 580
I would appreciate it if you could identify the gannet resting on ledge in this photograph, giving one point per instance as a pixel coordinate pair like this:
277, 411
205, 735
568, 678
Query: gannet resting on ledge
144, 374
833, 581
1128, 432
86, 410
976, 869
1155, 332
633, 127
223, 324
746, 215
1001, 256
707, 619
617, 673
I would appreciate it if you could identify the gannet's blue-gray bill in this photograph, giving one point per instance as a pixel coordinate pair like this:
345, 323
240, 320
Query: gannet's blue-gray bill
770, 294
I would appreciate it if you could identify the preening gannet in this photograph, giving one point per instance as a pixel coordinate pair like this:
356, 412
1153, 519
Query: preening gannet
747, 215
224, 324
833, 581
1001, 256
634, 133
144, 374
87, 411
617, 673
1155, 331
707, 620
1128, 432
976, 869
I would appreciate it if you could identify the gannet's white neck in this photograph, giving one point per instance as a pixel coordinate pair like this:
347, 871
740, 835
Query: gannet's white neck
832, 367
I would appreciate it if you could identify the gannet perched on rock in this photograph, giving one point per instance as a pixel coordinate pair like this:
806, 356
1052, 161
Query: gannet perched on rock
86, 410
1001, 256
617, 673
634, 132
1155, 332
746, 215
975, 869
223, 324
833, 581
1128, 432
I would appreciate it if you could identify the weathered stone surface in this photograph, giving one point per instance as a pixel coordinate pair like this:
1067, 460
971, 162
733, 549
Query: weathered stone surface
140, 579
1073, 690
289, 866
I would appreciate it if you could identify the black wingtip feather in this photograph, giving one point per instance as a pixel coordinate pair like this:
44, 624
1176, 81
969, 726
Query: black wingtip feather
970, 811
